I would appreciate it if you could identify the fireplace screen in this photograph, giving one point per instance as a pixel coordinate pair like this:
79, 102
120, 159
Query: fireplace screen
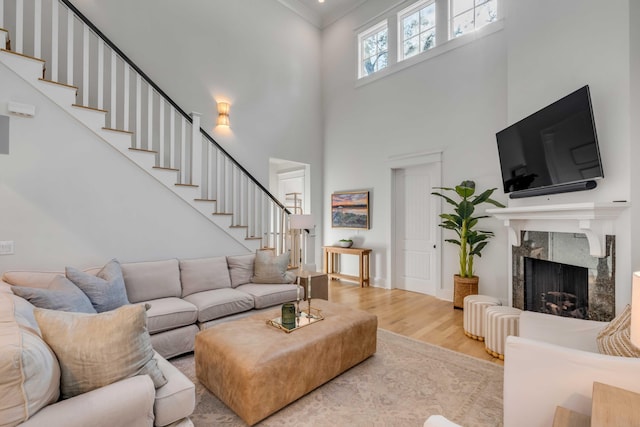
555, 288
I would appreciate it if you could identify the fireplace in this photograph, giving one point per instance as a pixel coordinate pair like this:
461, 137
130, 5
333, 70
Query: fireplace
554, 273
556, 288
579, 234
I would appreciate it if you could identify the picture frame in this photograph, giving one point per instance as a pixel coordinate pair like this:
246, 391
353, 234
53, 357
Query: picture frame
350, 209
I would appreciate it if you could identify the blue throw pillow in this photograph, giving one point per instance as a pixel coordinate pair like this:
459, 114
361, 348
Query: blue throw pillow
61, 295
105, 290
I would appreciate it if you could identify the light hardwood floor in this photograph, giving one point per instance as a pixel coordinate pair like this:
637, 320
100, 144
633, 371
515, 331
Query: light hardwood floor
411, 314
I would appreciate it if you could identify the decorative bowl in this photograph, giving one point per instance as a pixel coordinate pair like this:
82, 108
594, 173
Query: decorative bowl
345, 244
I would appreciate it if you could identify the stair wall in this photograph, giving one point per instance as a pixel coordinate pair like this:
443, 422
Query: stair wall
68, 198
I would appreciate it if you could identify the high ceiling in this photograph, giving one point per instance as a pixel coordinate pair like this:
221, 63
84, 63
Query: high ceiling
322, 14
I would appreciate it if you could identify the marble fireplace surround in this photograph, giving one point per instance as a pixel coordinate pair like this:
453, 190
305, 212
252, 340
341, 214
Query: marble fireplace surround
595, 221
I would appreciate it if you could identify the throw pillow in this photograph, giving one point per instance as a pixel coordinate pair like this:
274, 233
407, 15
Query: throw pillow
105, 290
100, 349
615, 339
29, 372
61, 294
269, 268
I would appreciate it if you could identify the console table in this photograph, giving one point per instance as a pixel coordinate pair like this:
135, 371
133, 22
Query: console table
331, 258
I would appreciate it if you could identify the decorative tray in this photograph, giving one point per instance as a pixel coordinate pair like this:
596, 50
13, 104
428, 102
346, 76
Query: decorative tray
301, 321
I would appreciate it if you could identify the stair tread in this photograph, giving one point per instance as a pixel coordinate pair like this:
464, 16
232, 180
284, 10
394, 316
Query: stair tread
89, 108
118, 130
186, 185
166, 169
23, 55
238, 226
253, 238
221, 213
143, 150
204, 200
58, 83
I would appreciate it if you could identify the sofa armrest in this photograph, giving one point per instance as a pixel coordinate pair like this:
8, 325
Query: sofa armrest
539, 376
124, 403
177, 398
563, 331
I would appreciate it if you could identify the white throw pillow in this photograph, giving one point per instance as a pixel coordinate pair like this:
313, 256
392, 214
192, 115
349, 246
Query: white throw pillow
29, 371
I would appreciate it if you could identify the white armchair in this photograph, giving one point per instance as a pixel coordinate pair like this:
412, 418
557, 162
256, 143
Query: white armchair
554, 362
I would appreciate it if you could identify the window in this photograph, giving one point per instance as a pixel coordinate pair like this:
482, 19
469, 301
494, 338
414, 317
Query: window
374, 49
469, 15
417, 26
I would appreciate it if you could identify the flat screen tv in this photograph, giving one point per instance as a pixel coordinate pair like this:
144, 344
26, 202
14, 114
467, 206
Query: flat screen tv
554, 150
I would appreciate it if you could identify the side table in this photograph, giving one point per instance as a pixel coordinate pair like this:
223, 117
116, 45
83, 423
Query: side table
319, 284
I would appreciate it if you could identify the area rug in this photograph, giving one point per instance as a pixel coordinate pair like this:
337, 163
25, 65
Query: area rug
404, 383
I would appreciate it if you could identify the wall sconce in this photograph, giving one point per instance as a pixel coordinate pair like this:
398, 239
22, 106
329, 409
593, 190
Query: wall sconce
223, 114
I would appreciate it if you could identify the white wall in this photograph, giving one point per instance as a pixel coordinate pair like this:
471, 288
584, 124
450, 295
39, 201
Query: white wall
556, 47
257, 54
454, 102
457, 101
69, 198
634, 52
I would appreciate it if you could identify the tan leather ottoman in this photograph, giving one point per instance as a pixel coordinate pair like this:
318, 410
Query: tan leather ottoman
256, 369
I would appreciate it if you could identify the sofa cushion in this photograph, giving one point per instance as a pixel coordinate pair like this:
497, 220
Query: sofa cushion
29, 371
152, 280
219, 303
60, 294
204, 274
266, 295
170, 313
240, 269
32, 279
95, 350
105, 290
615, 340
269, 268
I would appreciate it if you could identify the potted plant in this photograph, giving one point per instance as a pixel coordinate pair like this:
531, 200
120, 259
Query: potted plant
470, 240
345, 243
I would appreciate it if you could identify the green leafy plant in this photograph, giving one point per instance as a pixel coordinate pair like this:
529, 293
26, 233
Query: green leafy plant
346, 240
462, 221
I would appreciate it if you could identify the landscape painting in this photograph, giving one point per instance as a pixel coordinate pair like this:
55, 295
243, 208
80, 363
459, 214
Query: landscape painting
350, 209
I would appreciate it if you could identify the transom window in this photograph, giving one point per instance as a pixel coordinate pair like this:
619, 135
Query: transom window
469, 15
374, 49
417, 26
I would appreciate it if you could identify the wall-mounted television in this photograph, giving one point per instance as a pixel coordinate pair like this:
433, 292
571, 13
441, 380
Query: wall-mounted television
554, 150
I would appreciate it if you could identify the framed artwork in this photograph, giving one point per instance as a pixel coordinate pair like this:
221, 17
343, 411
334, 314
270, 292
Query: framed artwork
350, 209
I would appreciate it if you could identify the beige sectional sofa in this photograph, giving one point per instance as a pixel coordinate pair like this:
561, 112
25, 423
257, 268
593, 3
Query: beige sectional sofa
189, 295
182, 297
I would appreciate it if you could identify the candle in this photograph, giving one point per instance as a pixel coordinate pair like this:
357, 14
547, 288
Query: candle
309, 287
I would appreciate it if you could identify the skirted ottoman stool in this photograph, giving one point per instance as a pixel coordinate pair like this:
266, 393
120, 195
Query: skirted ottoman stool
500, 322
473, 317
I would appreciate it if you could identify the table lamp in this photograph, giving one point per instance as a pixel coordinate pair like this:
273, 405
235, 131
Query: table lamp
635, 310
301, 223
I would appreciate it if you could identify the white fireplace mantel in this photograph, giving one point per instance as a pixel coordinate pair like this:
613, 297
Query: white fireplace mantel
595, 220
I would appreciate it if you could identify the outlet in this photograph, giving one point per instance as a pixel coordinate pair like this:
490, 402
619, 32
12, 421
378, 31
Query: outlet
6, 247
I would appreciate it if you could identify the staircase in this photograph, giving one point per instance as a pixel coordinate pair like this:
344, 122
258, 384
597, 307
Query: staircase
104, 90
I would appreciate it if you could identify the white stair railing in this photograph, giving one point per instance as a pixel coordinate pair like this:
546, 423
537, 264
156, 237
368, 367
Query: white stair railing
78, 54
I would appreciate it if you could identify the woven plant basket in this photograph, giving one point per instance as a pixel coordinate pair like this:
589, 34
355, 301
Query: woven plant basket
463, 286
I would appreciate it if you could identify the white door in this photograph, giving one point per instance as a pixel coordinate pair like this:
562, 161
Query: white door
416, 228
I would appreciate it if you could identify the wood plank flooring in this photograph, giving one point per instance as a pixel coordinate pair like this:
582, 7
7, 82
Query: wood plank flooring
413, 315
